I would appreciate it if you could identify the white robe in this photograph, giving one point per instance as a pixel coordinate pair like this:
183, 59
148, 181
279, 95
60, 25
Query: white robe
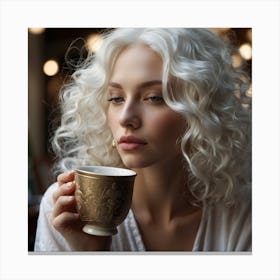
221, 229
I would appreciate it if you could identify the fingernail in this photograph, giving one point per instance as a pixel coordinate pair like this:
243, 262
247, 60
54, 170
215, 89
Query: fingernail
69, 185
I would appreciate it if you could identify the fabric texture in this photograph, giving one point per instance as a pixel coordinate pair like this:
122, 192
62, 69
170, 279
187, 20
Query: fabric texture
221, 229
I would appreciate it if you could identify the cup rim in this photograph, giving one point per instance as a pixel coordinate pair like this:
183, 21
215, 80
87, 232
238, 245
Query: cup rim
119, 172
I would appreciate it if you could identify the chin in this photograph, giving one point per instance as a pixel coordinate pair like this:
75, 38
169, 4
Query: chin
136, 164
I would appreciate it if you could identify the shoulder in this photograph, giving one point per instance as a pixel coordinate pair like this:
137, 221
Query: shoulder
47, 238
51, 189
227, 228
47, 199
232, 214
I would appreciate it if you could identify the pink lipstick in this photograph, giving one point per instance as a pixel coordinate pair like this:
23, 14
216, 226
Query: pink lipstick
130, 143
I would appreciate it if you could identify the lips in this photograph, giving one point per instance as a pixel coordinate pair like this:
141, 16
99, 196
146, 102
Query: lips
130, 143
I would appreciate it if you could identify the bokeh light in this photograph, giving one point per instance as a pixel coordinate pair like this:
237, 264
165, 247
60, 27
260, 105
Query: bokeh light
246, 51
36, 30
51, 67
94, 41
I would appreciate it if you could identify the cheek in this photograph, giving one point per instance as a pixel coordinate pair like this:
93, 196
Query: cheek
111, 121
168, 126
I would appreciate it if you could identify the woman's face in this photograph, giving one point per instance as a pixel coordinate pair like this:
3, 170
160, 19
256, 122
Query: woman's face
145, 128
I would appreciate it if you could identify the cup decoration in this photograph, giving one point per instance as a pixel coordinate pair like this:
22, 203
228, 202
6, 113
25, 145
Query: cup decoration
103, 196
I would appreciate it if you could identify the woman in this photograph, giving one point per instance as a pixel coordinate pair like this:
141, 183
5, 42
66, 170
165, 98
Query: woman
170, 102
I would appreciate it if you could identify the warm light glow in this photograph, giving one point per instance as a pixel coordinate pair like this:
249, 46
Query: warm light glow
219, 30
249, 91
246, 51
51, 67
94, 42
246, 106
249, 35
236, 60
36, 30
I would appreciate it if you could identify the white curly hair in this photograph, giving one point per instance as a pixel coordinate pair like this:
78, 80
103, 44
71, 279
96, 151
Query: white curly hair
199, 82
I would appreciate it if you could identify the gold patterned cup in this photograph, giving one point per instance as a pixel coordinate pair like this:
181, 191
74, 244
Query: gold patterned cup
103, 196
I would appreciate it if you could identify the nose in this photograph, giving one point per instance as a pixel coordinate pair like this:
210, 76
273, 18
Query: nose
130, 116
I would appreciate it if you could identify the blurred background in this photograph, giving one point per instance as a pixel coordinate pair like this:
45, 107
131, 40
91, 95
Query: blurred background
52, 56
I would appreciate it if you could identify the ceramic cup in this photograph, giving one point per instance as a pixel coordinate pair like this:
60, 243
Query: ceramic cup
103, 196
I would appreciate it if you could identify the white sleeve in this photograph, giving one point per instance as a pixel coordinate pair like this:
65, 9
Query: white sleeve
48, 239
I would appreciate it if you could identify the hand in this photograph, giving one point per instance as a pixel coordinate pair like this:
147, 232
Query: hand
66, 220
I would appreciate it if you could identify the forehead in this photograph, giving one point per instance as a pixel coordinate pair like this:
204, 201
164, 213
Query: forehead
138, 60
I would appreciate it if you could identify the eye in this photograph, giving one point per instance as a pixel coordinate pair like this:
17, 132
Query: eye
116, 100
155, 99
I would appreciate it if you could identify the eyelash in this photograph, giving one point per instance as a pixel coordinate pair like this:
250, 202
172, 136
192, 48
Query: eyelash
114, 100
153, 99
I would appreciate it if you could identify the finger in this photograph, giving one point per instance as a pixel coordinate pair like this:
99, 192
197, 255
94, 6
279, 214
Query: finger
64, 204
64, 189
65, 177
66, 220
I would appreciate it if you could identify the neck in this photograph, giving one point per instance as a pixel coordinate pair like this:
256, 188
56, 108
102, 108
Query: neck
161, 192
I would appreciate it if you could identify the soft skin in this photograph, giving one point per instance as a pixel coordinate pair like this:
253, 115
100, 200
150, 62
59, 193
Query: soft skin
171, 101
138, 109
160, 201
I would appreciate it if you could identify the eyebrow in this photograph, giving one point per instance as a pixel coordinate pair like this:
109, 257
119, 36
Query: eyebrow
142, 85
